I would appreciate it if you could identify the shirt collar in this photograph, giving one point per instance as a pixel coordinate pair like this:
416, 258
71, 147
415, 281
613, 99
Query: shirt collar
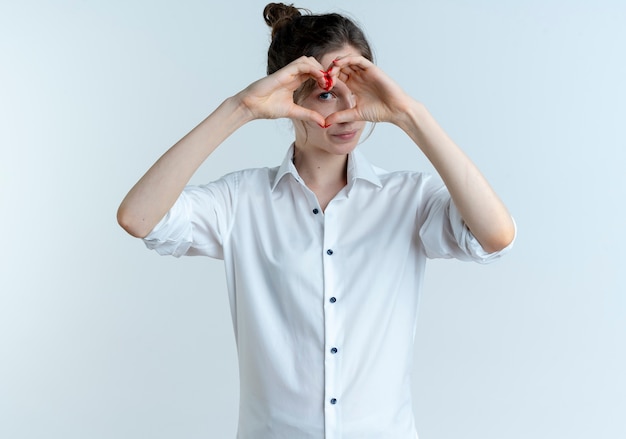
358, 168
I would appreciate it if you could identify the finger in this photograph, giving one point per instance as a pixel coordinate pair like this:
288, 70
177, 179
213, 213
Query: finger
328, 81
349, 73
344, 75
332, 74
353, 62
301, 113
344, 116
309, 67
299, 71
352, 67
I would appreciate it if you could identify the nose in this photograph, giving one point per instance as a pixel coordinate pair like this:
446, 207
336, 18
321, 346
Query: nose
345, 98
348, 100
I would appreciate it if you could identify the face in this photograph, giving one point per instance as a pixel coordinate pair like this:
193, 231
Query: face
339, 139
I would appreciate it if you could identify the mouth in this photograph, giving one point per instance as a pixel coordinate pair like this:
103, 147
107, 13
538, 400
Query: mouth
345, 135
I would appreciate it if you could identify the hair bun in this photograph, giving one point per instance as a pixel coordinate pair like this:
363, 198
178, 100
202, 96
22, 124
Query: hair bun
277, 15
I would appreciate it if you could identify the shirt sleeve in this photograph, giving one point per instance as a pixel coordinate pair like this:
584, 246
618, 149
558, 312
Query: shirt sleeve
444, 234
199, 221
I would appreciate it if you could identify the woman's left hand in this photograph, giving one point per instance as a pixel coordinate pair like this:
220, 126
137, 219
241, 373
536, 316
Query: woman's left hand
378, 97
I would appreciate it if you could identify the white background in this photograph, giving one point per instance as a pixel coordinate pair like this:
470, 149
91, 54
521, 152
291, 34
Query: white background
100, 338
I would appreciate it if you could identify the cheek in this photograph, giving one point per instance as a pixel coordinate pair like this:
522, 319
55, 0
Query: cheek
312, 129
307, 129
326, 110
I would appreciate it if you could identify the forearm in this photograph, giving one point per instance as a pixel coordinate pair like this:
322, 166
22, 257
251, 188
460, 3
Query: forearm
155, 193
481, 209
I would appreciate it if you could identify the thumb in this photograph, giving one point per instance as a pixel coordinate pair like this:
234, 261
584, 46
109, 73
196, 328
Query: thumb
349, 115
301, 113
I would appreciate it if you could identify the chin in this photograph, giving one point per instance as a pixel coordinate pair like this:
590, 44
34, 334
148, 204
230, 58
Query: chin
343, 148
344, 141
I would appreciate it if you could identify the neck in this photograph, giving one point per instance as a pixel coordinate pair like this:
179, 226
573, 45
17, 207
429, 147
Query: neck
325, 175
321, 170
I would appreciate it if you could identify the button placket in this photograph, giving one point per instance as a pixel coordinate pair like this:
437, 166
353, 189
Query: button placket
332, 386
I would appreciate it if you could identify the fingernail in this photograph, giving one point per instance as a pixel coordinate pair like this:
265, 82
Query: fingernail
329, 81
324, 126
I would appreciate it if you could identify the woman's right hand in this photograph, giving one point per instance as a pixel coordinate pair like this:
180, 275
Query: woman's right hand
272, 96
268, 98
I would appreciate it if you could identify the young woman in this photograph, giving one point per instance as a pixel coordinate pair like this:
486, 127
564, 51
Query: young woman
325, 253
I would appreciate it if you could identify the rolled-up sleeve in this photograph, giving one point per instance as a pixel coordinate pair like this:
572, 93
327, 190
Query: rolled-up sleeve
199, 221
444, 234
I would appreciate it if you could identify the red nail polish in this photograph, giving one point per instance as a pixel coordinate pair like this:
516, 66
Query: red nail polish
328, 80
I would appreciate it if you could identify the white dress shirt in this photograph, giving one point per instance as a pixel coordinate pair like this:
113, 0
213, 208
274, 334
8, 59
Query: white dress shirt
323, 304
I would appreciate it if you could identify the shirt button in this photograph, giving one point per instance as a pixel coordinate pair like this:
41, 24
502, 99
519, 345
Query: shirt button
316, 211
333, 300
329, 252
333, 401
333, 351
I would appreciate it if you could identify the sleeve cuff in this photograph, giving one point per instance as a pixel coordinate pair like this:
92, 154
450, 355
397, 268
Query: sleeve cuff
468, 242
170, 237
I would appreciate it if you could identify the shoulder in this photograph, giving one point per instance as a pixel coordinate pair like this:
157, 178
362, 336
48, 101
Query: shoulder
406, 179
362, 168
239, 183
250, 176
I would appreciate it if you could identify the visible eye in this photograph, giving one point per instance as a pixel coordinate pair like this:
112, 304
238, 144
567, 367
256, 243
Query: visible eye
326, 96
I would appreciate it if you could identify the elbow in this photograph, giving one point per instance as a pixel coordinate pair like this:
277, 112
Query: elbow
501, 240
494, 246
131, 224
